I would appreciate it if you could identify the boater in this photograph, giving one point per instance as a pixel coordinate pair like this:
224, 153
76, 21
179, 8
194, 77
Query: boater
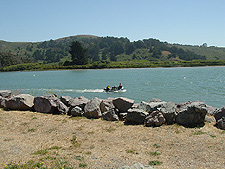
120, 86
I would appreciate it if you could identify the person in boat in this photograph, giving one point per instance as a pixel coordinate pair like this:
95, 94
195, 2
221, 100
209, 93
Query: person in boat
120, 86
107, 88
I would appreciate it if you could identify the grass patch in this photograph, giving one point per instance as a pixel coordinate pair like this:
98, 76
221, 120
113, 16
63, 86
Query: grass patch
40, 152
31, 130
74, 142
80, 158
30, 164
155, 153
82, 165
199, 132
131, 151
156, 145
213, 136
55, 148
155, 162
91, 132
34, 118
109, 129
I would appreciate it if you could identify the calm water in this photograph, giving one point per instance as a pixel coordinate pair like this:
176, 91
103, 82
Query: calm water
169, 84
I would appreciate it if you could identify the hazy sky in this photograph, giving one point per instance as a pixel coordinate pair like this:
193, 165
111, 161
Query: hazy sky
191, 22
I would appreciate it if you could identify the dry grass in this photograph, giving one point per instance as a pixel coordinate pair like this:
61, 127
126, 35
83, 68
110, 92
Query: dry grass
63, 142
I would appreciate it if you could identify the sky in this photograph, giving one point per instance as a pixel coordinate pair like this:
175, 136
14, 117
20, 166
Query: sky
191, 22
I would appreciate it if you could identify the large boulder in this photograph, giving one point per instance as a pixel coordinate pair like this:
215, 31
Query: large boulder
221, 123
49, 104
2, 102
155, 119
219, 113
123, 104
92, 108
150, 106
20, 102
192, 115
5, 93
77, 101
66, 100
136, 116
107, 104
168, 110
210, 109
77, 111
110, 115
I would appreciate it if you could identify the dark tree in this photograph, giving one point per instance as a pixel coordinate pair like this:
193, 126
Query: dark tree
78, 53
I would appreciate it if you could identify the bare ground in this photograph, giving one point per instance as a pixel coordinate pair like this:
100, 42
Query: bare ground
61, 142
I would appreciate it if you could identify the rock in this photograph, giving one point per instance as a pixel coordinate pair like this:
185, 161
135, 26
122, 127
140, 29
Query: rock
155, 100
219, 113
20, 102
107, 104
110, 115
2, 102
123, 104
77, 111
136, 116
66, 100
192, 115
122, 116
168, 110
155, 119
92, 108
77, 101
5, 93
49, 104
151, 106
210, 119
221, 123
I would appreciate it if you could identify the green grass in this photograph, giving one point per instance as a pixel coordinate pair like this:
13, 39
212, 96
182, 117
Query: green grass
199, 132
155, 162
40, 152
82, 165
155, 153
31, 130
156, 145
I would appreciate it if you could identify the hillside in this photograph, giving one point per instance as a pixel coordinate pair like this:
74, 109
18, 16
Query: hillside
110, 49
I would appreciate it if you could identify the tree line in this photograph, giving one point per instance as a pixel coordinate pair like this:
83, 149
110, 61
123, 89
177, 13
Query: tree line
93, 49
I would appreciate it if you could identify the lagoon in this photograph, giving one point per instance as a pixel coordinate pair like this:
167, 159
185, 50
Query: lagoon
179, 85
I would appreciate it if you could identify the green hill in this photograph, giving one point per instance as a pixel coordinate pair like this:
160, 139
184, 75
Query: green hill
107, 49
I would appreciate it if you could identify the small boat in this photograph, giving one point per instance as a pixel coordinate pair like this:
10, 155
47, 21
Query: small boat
115, 89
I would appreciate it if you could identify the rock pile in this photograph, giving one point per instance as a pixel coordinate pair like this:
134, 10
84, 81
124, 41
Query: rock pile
153, 113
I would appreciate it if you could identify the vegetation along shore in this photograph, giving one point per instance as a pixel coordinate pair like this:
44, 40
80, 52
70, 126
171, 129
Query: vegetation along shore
92, 52
65, 132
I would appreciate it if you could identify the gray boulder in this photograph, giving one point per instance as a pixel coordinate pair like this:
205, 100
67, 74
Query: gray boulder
5, 93
155, 119
66, 100
155, 100
78, 101
219, 113
20, 102
136, 116
110, 115
49, 104
77, 111
151, 106
2, 102
168, 110
107, 104
221, 123
92, 108
123, 104
192, 115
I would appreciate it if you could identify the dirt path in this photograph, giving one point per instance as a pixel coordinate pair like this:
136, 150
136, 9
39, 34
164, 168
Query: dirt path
36, 139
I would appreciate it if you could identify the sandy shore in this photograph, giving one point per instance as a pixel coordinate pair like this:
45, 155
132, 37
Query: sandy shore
28, 138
